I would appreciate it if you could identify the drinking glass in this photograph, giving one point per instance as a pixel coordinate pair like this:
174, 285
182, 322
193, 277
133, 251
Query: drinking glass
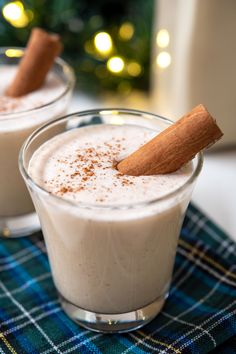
111, 264
17, 213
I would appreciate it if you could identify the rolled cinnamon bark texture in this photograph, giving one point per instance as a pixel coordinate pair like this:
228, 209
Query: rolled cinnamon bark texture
174, 146
39, 56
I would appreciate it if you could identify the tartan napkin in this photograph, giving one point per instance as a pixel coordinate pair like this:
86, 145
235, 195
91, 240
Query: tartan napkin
199, 315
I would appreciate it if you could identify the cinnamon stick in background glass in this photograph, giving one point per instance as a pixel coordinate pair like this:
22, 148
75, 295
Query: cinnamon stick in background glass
41, 51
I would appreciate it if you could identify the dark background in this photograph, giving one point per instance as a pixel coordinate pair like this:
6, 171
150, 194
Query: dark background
78, 22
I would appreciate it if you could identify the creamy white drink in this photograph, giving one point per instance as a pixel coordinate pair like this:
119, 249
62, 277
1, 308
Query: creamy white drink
111, 238
19, 117
51, 90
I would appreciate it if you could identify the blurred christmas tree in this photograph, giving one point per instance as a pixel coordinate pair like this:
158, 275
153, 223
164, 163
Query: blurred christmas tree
107, 41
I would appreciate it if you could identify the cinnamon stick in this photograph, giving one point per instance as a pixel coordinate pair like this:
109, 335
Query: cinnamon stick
174, 146
42, 49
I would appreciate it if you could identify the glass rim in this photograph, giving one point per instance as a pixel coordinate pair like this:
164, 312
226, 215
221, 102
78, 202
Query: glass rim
30, 181
69, 86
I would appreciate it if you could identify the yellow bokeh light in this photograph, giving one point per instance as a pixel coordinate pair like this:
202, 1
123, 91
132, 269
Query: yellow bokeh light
163, 60
126, 31
163, 38
15, 13
115, 64
134, 69
23, 21
14, 53
103, 42
13, 10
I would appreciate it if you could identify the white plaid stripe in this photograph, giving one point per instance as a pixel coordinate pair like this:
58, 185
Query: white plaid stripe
230, 250
68, 341
226, 245
1, 351
199, 225
28, 284
29, 322
27, 314
78, 345
190, 269
22, 260
202, 330
33, 310
147, 345
227, 248
215, 324
195, 219
206, 268
22, 252
198, 303
185, 263
222, 246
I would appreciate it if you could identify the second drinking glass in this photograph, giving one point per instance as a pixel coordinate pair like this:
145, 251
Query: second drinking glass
18, 119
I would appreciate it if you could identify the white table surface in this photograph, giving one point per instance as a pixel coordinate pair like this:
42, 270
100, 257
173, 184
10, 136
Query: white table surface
215, 190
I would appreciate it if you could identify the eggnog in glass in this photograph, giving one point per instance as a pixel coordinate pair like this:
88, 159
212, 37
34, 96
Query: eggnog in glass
19, 117
111, 238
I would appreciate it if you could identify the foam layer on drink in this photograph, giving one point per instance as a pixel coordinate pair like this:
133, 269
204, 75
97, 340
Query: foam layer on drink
79, 165
52, 89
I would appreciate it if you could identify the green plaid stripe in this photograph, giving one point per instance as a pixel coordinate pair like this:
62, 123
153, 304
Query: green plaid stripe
199, 315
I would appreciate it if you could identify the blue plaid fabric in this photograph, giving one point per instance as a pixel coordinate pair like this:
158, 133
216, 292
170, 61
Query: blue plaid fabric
198, 317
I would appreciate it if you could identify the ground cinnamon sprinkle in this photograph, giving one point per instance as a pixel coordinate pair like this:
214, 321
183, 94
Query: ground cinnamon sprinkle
63, 190
84, 167
10, 104
74, 174
78, 173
